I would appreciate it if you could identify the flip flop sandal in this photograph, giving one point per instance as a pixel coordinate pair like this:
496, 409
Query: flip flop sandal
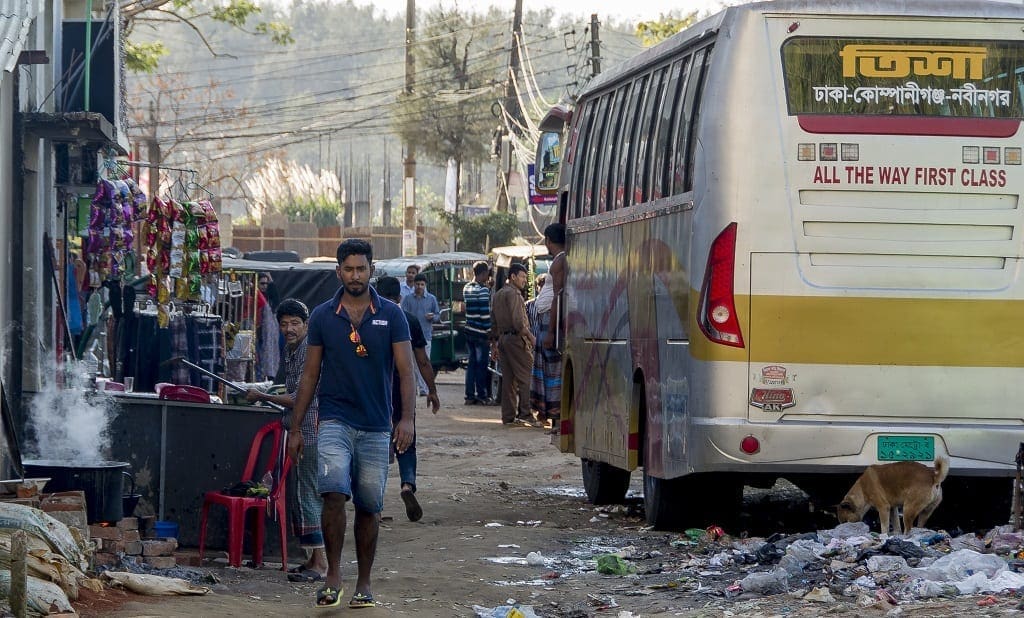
329, 597
360, 600
305, 576
412, 506
297, 569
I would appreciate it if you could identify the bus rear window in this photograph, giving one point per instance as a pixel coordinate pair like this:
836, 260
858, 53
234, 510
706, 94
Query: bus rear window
904, 77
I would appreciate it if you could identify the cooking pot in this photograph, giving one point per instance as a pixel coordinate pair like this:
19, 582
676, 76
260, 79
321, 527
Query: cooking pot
102, 482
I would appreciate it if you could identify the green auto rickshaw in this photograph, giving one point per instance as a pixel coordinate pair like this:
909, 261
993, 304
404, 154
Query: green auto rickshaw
446, 274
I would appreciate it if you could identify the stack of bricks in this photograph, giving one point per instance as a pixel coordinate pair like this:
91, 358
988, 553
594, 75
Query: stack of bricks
114, 541
68, 507
159, 553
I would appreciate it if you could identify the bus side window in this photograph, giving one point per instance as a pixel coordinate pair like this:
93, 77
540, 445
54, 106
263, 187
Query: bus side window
591, 187
627, 145
579, 166
682, 162
678, 143
611, 145
640, 95
660, 186
705, 64
641, 176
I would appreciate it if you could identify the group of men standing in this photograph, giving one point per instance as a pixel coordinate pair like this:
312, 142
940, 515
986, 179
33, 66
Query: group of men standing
500, 327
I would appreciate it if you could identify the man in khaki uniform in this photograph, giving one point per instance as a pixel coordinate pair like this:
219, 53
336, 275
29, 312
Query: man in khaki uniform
510, 332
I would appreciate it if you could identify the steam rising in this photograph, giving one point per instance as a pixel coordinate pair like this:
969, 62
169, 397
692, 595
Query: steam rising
67, 424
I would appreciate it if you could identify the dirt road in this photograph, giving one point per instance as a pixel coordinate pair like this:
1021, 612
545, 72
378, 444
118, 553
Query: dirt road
491, 495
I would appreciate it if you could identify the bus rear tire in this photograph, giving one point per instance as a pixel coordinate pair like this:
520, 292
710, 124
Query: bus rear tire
604, 483
662, 506
693, 500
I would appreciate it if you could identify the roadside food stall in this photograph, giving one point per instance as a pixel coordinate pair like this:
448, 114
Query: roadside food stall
447, 274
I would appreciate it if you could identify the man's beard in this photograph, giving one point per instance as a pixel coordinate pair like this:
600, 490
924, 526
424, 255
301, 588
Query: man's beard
359, 292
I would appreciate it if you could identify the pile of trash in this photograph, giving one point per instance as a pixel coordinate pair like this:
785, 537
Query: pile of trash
851, 561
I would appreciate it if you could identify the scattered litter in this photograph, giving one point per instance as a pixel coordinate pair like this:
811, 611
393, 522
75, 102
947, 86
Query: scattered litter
612, 564
508, 546
493, 524
820, 595
505, 611
534, 558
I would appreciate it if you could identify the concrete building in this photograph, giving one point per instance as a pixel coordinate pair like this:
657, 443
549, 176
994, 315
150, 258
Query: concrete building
54, 133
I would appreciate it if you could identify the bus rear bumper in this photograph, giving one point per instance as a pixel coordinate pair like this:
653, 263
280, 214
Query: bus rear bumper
838, 447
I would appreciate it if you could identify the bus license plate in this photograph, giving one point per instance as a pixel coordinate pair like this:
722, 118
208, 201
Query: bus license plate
906, 448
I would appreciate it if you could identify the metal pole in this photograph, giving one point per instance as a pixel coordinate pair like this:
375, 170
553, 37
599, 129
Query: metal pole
88, 52
409, 245
595, 45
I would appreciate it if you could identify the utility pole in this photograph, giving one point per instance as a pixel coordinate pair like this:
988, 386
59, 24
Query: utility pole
386, 202
595, 46
409, 164
153, 152
514, 110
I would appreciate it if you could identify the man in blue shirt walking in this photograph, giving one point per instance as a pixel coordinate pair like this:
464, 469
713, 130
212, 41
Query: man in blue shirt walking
356, 341
424, 306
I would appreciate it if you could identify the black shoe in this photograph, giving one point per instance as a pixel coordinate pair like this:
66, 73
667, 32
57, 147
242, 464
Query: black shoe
412, 506
472, 402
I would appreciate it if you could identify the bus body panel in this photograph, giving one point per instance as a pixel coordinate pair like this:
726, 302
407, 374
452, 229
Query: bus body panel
876, 295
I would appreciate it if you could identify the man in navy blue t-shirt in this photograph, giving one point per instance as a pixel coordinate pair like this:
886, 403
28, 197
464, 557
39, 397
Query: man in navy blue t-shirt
355, 343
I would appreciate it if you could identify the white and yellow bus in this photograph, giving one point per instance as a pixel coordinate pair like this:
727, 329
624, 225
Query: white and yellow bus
795, 248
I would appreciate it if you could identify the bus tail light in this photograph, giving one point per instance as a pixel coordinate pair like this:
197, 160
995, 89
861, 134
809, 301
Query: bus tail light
750, 445
717, 308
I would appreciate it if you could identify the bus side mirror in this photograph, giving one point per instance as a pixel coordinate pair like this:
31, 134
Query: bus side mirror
548, 161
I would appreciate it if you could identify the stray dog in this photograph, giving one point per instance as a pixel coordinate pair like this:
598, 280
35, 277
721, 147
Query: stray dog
915, 487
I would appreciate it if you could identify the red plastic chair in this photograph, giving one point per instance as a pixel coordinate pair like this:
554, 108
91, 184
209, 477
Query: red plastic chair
238, 506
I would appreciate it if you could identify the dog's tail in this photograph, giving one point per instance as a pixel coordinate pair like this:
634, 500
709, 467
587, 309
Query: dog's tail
941, 469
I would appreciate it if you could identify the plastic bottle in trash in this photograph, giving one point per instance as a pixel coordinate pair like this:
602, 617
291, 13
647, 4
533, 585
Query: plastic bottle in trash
267, 480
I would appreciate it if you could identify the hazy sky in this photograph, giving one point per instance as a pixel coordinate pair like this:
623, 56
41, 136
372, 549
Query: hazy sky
620, 9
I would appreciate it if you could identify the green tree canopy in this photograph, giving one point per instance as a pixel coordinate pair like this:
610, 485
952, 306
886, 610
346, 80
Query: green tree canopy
458, 63
656, 31
495, 229
240, 14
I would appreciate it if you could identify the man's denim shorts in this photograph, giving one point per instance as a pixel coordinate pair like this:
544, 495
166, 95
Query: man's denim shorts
354, 463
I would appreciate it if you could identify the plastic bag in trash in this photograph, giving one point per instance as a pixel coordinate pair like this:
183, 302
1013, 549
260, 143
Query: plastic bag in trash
958, 565
886, 564
505, 611
925, 589
899, 547
611, 564
799, 554
770, 582
978, 583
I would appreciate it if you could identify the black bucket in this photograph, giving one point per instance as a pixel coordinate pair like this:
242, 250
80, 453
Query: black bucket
102, 483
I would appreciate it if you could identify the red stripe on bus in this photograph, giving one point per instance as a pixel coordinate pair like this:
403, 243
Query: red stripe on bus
634, 441
910, 125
